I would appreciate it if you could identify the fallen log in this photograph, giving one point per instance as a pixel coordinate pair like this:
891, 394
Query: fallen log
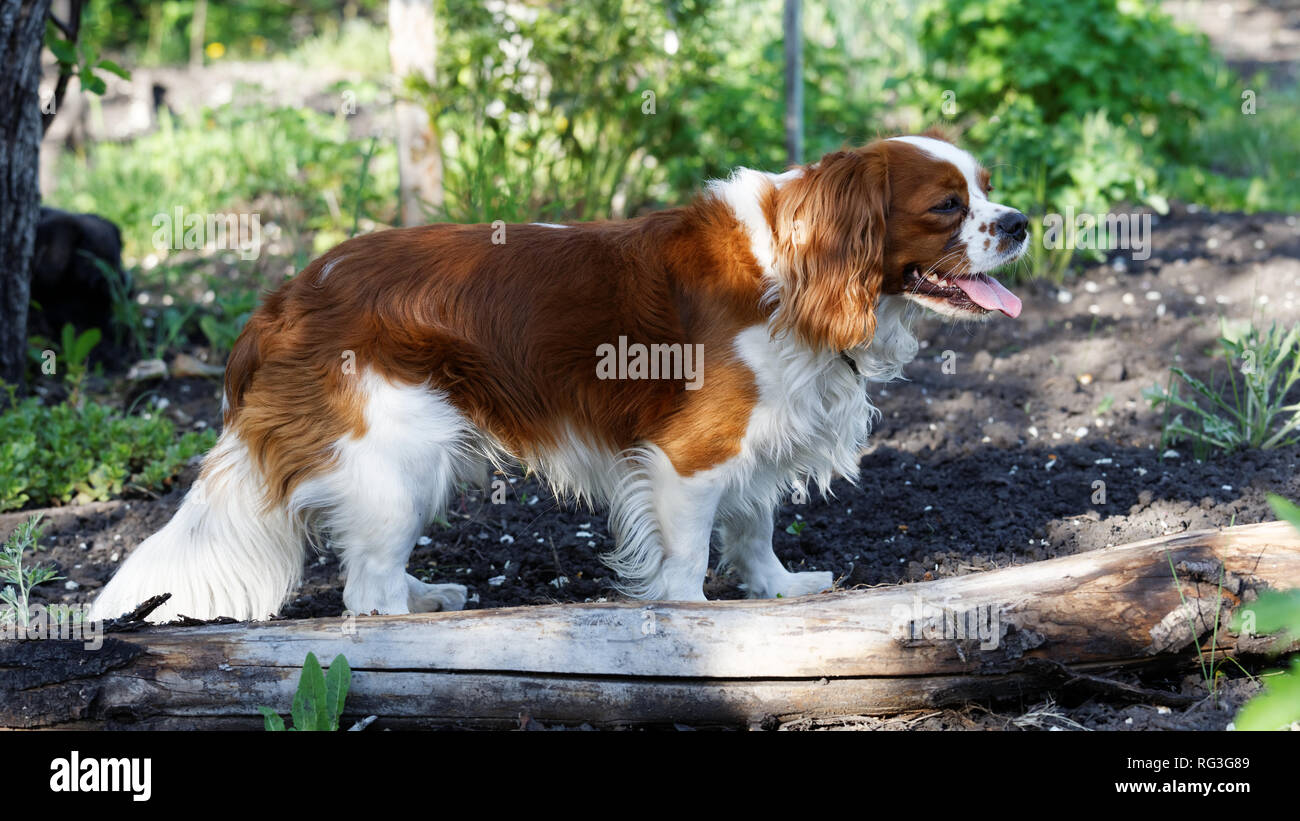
1005, 633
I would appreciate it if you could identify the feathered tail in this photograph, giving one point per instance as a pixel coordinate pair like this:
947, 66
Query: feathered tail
224, 553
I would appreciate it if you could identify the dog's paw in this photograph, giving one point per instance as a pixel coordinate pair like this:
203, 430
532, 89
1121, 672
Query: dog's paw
789, 585
801, 584
432, 598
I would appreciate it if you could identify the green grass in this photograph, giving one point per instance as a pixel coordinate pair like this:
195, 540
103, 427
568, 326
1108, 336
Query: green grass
1248, 409
1251, 161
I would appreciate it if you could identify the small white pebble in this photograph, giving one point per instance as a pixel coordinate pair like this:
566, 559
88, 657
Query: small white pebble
496, 581
424, 541
70, 585
506, 539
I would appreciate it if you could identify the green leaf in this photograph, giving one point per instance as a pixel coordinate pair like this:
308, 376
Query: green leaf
1285, 509
1275, 708
62, 50
337, 683
91, 83
271, 721
314, 679
309, 700
114, 68
1273, 612
86, 343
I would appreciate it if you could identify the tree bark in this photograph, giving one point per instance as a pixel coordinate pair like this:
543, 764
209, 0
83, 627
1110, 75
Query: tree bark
793, 24
22, 31
1051, 624
413, 51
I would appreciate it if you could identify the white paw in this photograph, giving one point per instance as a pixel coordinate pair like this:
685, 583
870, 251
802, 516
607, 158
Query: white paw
432, 598
801, 584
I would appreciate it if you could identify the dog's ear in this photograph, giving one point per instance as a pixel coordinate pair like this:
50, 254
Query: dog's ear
830, 236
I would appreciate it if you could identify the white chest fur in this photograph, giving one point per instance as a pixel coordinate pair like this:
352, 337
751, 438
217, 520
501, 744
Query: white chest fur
813, 414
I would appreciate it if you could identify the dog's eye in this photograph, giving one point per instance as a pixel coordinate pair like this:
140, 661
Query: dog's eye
947, 206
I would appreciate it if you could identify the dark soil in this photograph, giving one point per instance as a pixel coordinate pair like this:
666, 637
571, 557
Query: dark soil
992, 465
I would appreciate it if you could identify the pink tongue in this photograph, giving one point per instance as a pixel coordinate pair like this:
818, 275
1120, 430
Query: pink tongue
988, 293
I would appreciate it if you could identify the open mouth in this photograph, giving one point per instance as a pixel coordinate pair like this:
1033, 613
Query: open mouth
975, 293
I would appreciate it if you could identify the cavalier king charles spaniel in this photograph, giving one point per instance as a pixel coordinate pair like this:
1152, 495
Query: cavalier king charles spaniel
687, 368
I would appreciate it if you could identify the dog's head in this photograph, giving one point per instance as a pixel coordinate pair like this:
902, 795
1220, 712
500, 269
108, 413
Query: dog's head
908, 216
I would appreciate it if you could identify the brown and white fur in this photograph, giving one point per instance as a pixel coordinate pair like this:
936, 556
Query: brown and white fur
403, 362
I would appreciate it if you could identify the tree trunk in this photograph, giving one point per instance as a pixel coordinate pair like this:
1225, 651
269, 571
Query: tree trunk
413, 50
22, 31
1002, 634
793, 81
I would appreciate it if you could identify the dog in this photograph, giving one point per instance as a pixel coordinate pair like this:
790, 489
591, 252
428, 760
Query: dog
68, 286
406, 361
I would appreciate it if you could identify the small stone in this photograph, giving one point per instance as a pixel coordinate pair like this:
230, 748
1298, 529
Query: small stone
146, 370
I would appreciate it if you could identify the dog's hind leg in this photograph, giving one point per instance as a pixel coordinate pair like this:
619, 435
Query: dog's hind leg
382, 491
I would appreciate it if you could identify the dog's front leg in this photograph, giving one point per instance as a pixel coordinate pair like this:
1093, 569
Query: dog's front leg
746, 544
662, 522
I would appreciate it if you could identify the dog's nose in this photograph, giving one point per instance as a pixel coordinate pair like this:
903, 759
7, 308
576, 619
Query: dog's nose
1013, 224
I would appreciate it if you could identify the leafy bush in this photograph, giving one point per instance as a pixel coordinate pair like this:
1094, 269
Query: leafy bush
1252, 414
1091, 95
61, 454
